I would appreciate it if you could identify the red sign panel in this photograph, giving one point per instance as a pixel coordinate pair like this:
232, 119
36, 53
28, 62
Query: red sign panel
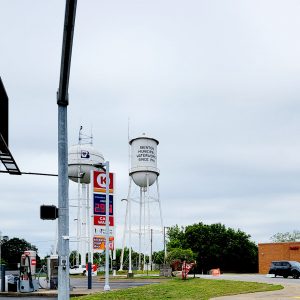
100, 220
100, 182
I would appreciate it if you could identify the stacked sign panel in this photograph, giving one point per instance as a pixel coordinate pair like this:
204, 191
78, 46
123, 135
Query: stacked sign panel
99, 210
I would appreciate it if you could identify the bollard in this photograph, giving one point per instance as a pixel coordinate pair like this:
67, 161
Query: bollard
89, 275
2, 270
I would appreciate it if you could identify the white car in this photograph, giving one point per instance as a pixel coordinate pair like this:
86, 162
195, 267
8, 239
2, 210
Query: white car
75, 270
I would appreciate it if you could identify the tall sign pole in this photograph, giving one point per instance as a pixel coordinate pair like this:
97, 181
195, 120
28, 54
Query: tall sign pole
63, 181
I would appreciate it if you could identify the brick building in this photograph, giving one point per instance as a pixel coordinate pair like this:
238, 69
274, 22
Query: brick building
276, 251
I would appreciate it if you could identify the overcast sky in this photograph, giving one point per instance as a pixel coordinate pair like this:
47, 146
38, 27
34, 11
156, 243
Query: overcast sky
216, 82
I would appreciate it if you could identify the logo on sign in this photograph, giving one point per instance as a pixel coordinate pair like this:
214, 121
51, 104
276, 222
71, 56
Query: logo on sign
85, 154
100, 182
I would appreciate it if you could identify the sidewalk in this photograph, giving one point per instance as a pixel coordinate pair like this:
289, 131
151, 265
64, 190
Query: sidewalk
289, 292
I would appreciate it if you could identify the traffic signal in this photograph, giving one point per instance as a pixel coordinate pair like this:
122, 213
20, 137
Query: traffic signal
48, 212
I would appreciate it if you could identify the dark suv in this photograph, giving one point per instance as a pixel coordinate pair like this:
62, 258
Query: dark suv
285, 268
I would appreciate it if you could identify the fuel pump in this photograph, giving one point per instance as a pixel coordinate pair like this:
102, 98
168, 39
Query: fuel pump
27, 270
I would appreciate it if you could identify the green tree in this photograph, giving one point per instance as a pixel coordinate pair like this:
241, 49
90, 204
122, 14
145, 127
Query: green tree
216, 246
180, 254
158, 257
12, 249
286, 237
176, 237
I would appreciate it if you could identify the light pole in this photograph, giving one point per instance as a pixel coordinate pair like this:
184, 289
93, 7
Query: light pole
165, 248
63, 180
124, 235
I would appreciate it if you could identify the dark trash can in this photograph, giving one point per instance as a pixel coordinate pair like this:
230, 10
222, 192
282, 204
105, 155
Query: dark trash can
12, 284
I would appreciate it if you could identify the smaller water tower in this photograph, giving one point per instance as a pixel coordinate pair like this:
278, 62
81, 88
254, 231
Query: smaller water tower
144, 173
82, 159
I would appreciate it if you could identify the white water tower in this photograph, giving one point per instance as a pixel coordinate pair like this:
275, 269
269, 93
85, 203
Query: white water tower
144, 173
143, 169
82, 159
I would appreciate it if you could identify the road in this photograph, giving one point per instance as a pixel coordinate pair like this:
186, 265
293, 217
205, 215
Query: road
79, 286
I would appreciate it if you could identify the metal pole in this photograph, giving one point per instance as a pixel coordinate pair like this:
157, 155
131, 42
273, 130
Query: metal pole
129, 238
63, 206
149, 230
124, 232
78, 219
140, 228
0, 247
106, 286
125, 226
114, 251
63, 180
145, 248
88, 218
165, 245
83, 225
2, 269
151, 240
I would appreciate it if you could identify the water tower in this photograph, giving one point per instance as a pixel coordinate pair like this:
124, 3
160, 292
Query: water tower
82, 159
144, 174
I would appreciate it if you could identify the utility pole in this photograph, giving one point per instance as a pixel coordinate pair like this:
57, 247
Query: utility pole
63, 180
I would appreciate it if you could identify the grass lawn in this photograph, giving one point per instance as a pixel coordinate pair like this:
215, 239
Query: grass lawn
189, 289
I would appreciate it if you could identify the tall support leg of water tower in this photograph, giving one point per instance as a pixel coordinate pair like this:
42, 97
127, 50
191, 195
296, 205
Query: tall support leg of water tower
145, 236
78, 262
88, 223
149, 225
140, 228
84, 227
125, 226
160, 210
129, 238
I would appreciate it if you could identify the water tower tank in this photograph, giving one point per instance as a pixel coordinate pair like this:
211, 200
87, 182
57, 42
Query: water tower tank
143, 160
82, 158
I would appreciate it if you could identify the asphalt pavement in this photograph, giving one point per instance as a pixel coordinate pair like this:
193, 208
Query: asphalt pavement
79, 287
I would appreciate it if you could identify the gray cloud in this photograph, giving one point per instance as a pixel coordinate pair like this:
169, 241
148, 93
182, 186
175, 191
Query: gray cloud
216, 82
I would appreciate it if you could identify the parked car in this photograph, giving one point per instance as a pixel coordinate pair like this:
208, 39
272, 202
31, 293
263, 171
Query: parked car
285, 268
76, 270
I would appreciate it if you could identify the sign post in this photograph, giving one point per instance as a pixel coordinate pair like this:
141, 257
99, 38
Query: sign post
103, 211
106, 286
